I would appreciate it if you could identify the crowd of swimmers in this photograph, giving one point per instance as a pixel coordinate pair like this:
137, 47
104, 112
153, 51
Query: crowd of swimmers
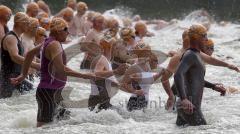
33, 49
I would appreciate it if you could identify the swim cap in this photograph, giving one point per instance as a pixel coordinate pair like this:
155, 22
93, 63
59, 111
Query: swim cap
45, 23
127, 33
209, 43
140, 26
67, 14
98, 17
82, 6
32, 7
72, 4
42, 15
42, 5
4, 10
185, 34
127, 22
21, 17
137, 18
57, 24
112, 23
197, 31
40, 32
33, 24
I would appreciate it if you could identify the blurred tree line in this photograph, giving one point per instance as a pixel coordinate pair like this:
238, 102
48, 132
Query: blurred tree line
150, 9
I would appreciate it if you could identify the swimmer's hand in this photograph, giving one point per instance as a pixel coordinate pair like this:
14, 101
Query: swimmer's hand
17, 80
171, 53
233, 67
187, 106
139, 92
220, 88
170, 103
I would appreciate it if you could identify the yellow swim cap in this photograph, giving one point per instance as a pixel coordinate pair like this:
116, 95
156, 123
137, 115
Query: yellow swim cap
127, 33
57, 24
21, 17
197, 31
4, 10
209, 43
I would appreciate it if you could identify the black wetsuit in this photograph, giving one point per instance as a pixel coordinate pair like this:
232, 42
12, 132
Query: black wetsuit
138, 102
10, 69
189, 81
102, 99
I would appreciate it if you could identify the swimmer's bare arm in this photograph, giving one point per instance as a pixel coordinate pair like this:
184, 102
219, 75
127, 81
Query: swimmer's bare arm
213, 61
2, 33
125, 84
13, 51
172, 65
26, 65
54, 50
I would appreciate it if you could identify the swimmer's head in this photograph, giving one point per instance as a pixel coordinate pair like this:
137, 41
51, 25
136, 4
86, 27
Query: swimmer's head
67, 14
140, 29
98, 22
40, 36
137, 18
59, 29
82, 8
43, 6
127, 34
208, 47
5, 14
33, 26
32, 9
45, 23
21, 20
72, 4
197, 34
42, 15
113, 26
127, 22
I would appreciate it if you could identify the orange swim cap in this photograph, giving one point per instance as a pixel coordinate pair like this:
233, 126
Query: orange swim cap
42, 15
67, 14
4, 11
21, 17
197, 31
209, 43
32, 9
40, 32
45, 23
57, 24
42, 5
72, 4
140, 26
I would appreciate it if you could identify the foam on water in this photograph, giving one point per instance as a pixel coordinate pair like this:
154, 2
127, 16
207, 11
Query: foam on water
18, 114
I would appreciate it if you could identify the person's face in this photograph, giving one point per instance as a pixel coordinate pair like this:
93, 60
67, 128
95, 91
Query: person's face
202, 39
34, 13
8, 16
63, 34
208, 50
99, 24
143, 31
81, 10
